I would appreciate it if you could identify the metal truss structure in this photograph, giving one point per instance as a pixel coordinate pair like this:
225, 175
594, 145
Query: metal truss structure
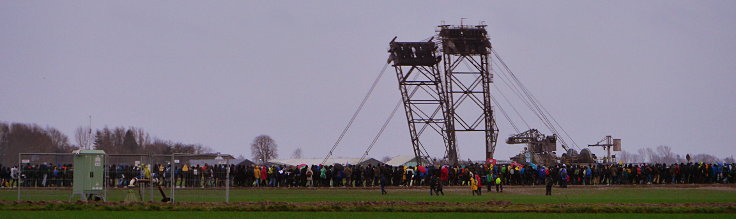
466, 51
459, 100
422, 92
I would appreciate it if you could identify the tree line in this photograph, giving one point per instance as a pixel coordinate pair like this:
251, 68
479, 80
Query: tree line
664, 154
20, 138
134, 140
31, 138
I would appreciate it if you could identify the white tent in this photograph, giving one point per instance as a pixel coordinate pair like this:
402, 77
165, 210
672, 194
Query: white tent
318, 161
403, 160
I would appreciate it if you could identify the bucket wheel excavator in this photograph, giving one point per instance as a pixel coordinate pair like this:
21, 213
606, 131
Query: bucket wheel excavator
541, 149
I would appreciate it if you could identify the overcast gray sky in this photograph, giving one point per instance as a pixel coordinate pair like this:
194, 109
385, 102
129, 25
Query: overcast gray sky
221, 73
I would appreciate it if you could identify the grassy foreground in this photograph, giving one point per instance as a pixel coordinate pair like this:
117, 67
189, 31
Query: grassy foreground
190, 214
517, 195
514, 202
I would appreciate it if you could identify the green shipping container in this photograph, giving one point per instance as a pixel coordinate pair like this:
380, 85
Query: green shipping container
89, 174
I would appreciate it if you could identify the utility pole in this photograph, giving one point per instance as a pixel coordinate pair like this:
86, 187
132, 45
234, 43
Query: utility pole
89, 134
608, 143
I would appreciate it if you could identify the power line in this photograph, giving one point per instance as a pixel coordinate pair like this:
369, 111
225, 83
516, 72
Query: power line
540, 109
383, 127
524, 94
512, 106
503, 112
357, 111
385, 124
514, 88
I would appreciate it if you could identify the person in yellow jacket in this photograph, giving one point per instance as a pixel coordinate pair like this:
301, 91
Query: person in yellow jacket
473, 184
499, 186
403, 176
185, 176
147, 171
257, 174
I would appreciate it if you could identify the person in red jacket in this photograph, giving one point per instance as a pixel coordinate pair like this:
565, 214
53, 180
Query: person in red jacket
478, 187
264, 175
444, 175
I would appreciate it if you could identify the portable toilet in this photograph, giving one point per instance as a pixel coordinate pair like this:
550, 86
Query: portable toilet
89, 174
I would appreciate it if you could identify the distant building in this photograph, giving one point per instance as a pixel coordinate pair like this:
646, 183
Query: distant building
404, 160
210, 162
245, 162
210, 159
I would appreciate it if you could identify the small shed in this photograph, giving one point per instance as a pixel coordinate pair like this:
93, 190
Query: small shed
245, 162
89, 174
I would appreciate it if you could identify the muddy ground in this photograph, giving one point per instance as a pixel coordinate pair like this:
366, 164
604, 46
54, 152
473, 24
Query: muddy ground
379, 206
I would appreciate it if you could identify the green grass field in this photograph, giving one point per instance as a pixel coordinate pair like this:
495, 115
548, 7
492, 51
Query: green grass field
514, 202
352, 215
456, 194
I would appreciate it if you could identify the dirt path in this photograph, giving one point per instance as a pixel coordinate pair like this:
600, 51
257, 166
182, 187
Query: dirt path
380, 206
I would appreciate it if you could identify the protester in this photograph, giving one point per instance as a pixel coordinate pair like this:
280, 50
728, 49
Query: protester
383, 183
478, 187
564, 178
548, 181
473, 185
499, 185
434, 177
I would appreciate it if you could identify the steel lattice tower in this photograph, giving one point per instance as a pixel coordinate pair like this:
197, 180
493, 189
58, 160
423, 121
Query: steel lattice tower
467, 78
423, 94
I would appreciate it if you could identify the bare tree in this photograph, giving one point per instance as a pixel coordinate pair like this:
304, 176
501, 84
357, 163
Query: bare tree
705, 158
17, 137
729, 159
57, 138
641, 155
263, 149
297, 154
662, 154
4, 131
202, 149
666, 155
625, 156
680, 159
83, 136
141, 136
652, 156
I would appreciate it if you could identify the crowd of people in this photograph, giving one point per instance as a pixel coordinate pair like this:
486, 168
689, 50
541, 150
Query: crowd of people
473, 175
39, 175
